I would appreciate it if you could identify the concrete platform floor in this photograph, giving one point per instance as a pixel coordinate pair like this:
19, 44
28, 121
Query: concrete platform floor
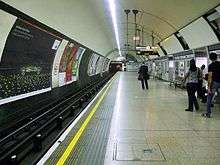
151, 127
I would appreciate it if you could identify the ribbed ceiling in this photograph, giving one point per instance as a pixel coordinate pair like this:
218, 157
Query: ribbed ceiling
89, 22
160, 17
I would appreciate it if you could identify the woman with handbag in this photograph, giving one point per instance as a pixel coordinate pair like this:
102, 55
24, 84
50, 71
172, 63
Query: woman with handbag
192, 76
143, 76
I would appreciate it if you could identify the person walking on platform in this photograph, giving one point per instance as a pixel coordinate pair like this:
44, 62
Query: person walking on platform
192, 76
143, 76
213, 82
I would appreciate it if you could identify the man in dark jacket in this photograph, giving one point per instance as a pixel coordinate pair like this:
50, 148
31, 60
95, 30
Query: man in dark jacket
213, 81
143, 75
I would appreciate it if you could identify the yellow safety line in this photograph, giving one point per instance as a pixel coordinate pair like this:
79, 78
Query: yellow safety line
80, 131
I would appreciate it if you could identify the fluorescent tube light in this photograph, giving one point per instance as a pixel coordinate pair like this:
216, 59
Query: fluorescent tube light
114, 21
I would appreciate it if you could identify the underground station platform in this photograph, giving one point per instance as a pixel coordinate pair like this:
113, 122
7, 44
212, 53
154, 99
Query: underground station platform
124, 124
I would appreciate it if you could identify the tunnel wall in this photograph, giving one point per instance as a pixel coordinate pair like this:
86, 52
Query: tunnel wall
75, 19
160, 52
198, 33
39, 65
172, 45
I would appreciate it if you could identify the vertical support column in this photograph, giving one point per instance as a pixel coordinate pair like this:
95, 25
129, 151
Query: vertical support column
152, 43
138, 34
142, 35
135, 27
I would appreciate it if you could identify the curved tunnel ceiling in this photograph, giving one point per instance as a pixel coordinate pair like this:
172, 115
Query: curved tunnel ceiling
76, 19
89, 21
165, 17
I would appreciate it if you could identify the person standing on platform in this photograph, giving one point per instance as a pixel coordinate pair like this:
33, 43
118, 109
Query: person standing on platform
200, 91
192, 77
143, 76
213, 82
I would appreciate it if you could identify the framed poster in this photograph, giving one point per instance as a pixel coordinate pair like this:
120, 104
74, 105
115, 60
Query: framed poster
66, 64
26, 62
92, 64
76, 64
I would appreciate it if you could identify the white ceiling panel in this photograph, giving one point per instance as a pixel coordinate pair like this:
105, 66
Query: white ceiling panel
199, 34
172, 45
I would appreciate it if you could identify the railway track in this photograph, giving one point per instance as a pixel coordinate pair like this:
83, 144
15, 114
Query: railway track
32, 137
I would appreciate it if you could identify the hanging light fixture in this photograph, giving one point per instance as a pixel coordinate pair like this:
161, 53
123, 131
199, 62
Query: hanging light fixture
152, 43
142, 34
138, 36
135, 38
127, 11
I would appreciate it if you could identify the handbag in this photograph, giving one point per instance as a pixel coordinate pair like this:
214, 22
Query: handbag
140, 77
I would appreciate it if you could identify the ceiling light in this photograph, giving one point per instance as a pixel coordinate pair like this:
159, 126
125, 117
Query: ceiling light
137, 38
114, 21
154, 47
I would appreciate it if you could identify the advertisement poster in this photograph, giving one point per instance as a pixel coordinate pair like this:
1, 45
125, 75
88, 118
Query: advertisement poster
181, 69
99, 65
202, 61
7, 22
89, 70
201, 57
105, 65
56, 63
92, 64
26, 63
66, 64
76, 63
95, 62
